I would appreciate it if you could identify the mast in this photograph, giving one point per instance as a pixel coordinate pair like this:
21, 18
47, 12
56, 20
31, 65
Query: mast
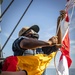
0, 27
0, 11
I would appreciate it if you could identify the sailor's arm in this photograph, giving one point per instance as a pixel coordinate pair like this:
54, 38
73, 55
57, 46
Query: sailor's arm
13, 73
60, 18
31, 43
59, 30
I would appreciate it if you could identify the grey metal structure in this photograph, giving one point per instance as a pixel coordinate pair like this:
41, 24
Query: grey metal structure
1, 55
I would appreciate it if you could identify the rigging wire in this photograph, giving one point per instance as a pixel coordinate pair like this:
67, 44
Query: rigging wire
7, 8
16, 25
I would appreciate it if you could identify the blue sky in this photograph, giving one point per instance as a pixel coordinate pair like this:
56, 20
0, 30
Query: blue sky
44, 13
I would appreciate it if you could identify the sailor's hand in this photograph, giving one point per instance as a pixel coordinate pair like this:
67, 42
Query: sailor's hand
19, 68
53, 40
58, 45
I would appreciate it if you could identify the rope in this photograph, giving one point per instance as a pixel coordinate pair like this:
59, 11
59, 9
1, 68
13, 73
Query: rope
58, 50
72, 13
55, 62
58, 27
7, 8
16, 25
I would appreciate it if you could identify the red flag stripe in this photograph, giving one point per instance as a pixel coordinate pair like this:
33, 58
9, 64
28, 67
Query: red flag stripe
67, 17
66, 48
10, 64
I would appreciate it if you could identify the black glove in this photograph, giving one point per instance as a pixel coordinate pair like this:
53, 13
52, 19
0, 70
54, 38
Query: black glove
0, 65
48, 50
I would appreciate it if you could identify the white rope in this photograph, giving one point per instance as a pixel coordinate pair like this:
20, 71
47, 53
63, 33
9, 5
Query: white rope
55, 62
72, 13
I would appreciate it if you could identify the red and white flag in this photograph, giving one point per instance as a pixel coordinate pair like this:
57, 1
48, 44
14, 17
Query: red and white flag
65, 60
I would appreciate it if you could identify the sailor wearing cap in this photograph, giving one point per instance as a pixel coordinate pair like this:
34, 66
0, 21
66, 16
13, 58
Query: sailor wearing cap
25, 33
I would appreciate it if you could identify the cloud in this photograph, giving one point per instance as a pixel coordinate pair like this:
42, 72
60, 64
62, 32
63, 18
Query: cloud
72, 42
72, 46
72, 50
72, 24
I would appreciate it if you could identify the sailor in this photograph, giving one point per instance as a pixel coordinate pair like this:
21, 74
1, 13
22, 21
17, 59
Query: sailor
28, 42
13, 73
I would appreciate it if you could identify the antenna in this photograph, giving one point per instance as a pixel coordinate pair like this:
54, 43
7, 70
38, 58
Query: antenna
0, 26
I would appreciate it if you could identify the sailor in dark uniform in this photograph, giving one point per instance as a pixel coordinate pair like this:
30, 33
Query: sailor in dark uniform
28, 44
